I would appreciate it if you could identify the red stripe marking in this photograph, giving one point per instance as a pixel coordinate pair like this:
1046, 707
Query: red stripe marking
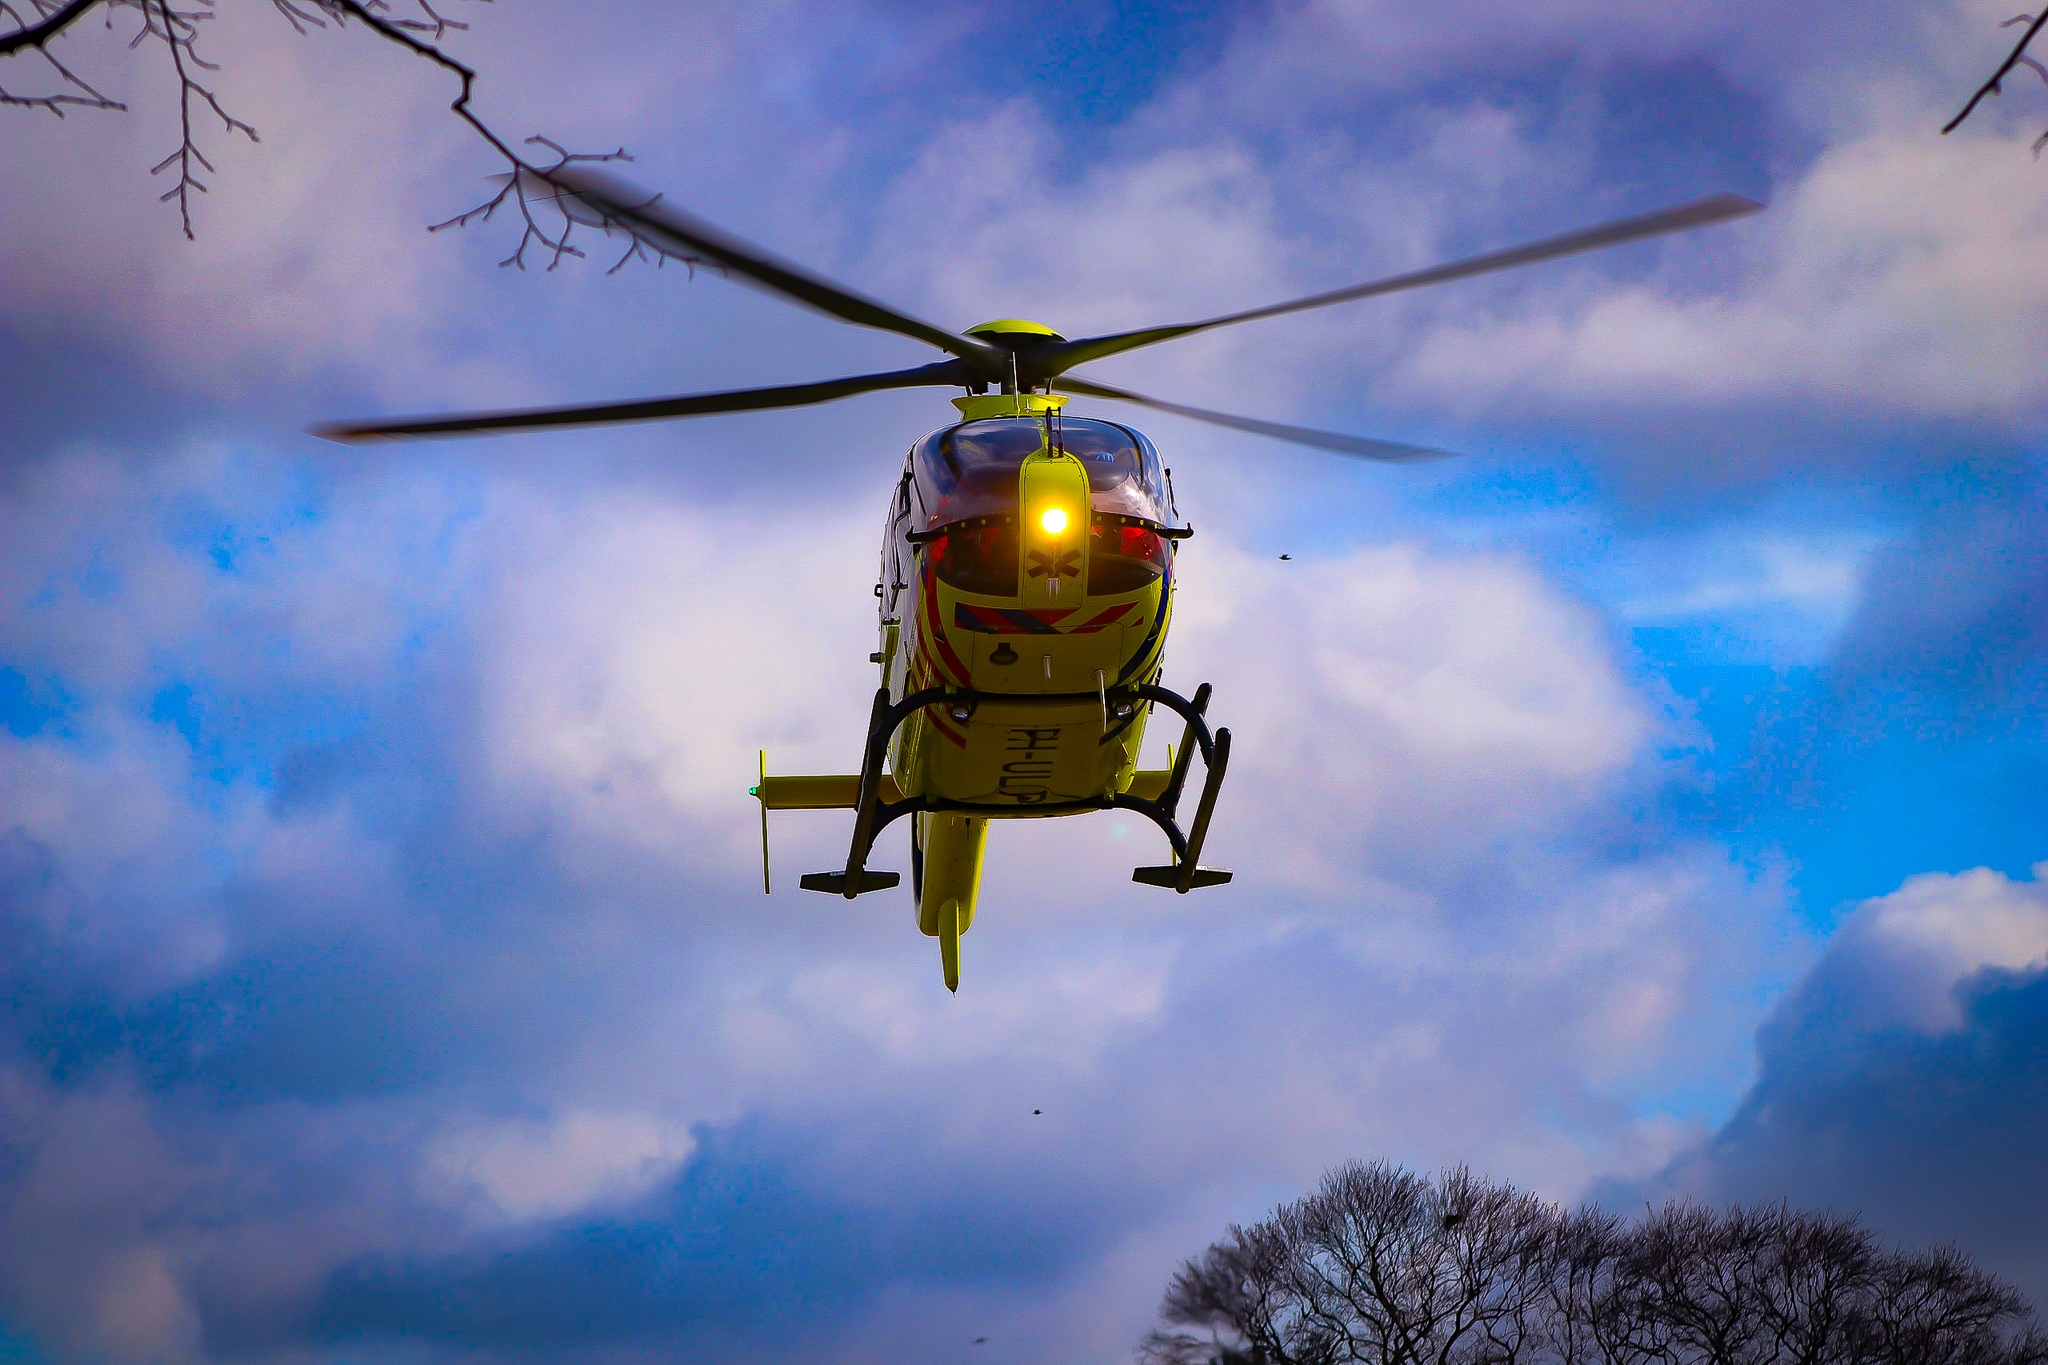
930, 615
933, 715
1018, 620
1105, 617
921, 677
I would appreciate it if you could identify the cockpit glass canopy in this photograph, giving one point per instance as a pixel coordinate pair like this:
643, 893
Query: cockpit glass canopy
1124, 476
970, 470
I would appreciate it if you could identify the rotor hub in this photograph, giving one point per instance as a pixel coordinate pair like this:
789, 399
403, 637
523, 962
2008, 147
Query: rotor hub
1002, 329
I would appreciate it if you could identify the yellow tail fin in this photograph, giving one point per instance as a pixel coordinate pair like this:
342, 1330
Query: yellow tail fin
949, 943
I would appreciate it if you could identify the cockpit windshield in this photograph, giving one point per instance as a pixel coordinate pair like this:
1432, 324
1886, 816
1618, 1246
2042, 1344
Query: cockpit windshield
970, 470
1124, 477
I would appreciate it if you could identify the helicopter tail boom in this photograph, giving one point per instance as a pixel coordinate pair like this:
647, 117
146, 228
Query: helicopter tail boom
951, 848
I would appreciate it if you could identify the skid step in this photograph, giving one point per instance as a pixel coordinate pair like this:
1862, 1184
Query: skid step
834, 883
1169, 876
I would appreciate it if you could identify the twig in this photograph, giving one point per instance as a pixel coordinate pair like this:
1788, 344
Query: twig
527, 185
1990, 87
49, 26
37, 36
561, 195
179, 31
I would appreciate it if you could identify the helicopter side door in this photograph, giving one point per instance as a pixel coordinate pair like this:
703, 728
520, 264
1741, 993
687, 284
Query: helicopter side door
899, 571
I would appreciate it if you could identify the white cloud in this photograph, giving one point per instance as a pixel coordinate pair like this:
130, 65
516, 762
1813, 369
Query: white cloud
310, 258
1912, 948
1900, 1079
87, 1260
1802, 576
1396, 698
564, 1164
1781, 595
641, 654
127, 885
1432, 948
315, 222
1899, 272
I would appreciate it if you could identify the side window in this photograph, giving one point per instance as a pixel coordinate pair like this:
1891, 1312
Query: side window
899, 510
1158, 479
895, 572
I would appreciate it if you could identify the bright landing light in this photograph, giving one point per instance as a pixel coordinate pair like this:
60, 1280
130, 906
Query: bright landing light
1054, 520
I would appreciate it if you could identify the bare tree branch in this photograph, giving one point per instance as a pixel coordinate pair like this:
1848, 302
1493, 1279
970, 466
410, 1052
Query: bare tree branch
525, 179
35, 37
52, 23
2034, 23
178, 32
530, 186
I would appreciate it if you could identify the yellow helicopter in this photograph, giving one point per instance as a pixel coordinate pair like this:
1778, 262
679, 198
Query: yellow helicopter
1027, 576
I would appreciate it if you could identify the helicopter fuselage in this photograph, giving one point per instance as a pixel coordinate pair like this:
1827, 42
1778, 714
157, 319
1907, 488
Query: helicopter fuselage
1027, 567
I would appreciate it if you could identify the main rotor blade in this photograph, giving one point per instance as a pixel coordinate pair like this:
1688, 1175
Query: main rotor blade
595, 198
1057, 358
944, 372
1364, 447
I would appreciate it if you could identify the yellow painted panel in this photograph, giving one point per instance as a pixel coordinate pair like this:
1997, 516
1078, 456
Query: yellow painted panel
979, 407
953, 845
1148, 783
1012, 327
835, 792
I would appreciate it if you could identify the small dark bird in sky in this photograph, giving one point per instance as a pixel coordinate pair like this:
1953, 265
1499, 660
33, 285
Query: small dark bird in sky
1038, 1111
1287, 556
981, 1341
1452, 1220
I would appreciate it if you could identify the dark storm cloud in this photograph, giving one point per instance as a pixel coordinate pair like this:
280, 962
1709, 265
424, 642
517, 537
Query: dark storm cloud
1956, 612
753, 1248
1907, 1078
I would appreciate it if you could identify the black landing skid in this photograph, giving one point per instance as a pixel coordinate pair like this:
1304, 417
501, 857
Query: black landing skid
872, 815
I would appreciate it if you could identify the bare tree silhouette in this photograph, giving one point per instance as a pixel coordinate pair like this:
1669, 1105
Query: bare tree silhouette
1386, 1267
549, 211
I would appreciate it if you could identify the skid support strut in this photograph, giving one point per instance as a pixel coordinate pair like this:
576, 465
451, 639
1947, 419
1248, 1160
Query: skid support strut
1186, 872
867, 805
872, 814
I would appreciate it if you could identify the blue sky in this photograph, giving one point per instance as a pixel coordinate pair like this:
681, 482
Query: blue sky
1647, 803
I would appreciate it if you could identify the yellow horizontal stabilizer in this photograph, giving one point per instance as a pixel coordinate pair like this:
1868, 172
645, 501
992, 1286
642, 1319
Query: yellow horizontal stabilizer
1148, 783
838, 791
